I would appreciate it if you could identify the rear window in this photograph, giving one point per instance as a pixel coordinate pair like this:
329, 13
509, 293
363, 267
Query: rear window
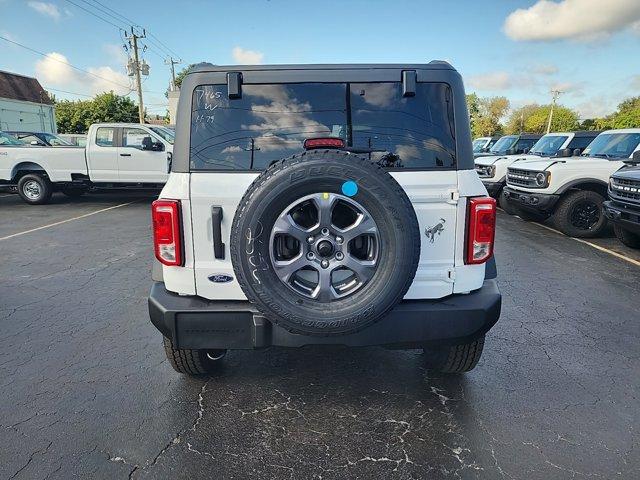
271, 122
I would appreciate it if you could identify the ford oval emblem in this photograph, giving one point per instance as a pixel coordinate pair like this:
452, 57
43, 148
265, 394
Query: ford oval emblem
221, 278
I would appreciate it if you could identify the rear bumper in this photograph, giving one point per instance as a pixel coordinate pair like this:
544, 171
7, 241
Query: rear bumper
537, 202
627, 218
193, 322
494, 188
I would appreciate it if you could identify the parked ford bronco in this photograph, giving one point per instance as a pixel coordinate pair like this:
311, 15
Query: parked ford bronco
511, 145
323, 204
623, 207
571, 190
493, 170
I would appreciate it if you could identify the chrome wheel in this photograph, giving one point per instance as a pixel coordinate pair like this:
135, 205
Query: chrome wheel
325, 246
32, 190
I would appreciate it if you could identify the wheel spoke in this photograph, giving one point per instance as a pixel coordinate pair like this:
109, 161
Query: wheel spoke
363, 225
286, 268
286, 226
364, 269
324, 291
324, 203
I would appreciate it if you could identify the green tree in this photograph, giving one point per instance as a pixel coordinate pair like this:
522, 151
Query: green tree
533, 118
182, 73
485, 114
77, 116
627, 115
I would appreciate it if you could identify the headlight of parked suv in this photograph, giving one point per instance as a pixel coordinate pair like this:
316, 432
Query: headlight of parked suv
543, 179
486, 171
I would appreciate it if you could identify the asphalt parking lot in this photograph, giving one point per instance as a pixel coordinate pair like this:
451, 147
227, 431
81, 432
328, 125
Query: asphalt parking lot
86, 391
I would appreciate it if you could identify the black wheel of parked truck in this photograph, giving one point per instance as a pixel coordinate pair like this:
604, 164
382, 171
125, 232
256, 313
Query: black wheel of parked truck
630, 239
35, 188
454, 358
325, 243
580, 214
193, 362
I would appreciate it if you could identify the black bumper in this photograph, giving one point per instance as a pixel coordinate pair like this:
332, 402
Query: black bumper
623, 216
494, 188
537, 202
193, 322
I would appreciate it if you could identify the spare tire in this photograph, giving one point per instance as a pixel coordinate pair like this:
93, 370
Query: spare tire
325, 243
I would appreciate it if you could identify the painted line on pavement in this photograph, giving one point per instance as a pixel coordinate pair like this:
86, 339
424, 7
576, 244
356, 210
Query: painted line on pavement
66, 221
592, 245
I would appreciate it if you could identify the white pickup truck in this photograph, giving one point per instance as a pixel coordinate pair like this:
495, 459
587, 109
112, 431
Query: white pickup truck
117, 155
571, 190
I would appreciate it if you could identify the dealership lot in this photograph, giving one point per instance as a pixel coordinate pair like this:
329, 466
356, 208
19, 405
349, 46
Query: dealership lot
86, 390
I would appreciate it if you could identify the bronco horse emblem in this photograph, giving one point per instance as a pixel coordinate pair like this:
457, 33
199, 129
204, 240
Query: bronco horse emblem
437, 229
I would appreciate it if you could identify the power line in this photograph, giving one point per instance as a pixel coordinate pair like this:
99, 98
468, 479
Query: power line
66, 91
95, 14
128, 87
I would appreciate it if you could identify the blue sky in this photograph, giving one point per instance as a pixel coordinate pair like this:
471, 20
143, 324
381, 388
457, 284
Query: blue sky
517, 48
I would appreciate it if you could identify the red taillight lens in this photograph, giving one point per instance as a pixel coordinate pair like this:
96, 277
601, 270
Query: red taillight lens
328, 142
167, 236
481, 229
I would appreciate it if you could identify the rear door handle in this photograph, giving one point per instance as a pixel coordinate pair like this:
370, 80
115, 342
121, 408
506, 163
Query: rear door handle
125, 154
216, 225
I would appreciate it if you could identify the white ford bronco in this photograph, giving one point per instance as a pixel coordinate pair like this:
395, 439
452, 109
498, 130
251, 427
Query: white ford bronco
571, 190
323, 204
493, 169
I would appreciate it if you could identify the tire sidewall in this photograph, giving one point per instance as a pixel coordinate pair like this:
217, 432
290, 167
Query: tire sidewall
314, 173
45, 189
563, 214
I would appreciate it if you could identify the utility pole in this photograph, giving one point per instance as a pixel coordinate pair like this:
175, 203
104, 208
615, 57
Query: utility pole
138, 69
171, 61
556, 94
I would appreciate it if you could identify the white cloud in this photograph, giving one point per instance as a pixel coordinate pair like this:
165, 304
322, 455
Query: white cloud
247, 57
47, 9
571, 19
490, 81
55, 70
115, 53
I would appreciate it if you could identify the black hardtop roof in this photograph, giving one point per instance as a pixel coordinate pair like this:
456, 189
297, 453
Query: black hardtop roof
587, 133
432, 65
527, 136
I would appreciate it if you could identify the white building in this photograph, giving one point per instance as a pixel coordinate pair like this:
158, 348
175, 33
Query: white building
24, 105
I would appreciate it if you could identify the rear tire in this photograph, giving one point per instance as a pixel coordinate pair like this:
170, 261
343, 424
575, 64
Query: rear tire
35, 189
505, 205
630, 239
454, 358
192, 362
580, 214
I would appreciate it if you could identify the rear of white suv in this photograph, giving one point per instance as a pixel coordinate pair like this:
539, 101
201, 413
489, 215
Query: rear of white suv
324, 205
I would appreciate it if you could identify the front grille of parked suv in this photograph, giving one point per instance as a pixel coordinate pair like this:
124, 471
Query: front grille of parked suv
624, 189
524, 178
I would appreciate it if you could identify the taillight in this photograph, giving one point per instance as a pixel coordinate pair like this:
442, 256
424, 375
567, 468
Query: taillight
327, 142
167, 235
481, 229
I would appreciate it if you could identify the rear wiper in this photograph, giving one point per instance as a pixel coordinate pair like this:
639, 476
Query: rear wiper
363, 149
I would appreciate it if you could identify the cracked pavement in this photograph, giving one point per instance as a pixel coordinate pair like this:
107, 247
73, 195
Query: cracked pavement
85, 389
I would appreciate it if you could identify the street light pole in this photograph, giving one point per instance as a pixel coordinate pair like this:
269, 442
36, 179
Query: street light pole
556, 94
133, 39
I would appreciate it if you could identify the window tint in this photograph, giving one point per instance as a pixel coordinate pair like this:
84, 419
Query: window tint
132, 137
548, 145
504, 144
268, 123
580, 142
29, 138
403, 132
104, 136
271, 122
525, 144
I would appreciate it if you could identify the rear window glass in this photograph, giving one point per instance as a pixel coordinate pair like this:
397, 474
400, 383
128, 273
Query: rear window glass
271, 122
